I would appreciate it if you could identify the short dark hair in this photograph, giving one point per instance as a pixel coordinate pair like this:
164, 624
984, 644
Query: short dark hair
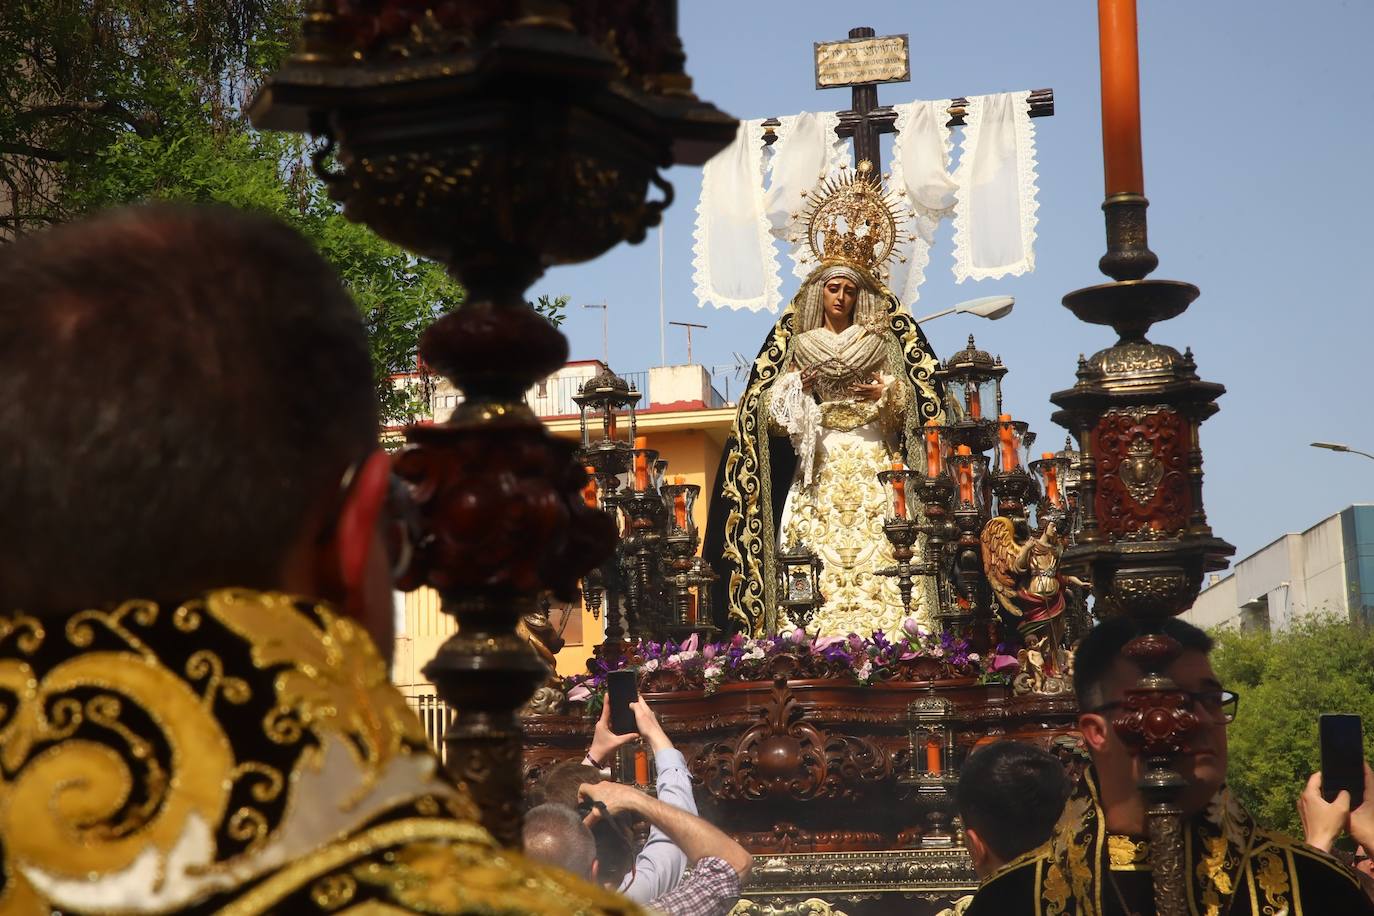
614, 836
555, 834
1099, 650
1012, 793
178, 387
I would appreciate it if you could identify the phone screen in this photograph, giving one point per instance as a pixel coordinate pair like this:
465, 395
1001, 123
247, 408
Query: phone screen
620, 693
1342, 741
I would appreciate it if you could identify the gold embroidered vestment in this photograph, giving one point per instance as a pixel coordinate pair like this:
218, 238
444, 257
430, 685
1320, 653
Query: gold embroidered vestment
241, 753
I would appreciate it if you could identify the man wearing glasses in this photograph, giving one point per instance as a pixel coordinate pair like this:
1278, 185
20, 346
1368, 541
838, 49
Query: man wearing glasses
1097, 860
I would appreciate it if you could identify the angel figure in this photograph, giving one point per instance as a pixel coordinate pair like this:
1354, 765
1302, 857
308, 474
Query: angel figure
1025, 577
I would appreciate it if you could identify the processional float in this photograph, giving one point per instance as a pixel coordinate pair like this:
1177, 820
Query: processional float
502, 137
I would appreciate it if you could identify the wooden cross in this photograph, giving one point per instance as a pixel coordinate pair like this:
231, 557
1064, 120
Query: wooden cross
866, 121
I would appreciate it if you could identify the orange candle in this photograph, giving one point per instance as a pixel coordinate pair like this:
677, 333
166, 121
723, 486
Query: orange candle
898, 491
1007, 435
1116, 32
1051, 481
934, 462
933, 756
641, 464
641, 768
965, 477
589, 491
975, 403
680, 504
610, 425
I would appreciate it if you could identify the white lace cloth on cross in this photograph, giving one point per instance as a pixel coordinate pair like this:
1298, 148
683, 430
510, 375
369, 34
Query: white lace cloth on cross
751, 194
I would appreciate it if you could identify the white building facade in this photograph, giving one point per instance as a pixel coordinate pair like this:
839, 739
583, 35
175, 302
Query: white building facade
1326, 570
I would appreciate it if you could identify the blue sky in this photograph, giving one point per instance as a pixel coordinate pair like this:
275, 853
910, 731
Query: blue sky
1259, 146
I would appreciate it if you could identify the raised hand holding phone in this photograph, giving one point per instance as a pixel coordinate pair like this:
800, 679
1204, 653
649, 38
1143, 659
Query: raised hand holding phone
1342, 746
621, 691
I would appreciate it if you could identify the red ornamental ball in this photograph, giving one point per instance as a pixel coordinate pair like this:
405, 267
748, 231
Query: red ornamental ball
1158, 724
396, 16
450, 14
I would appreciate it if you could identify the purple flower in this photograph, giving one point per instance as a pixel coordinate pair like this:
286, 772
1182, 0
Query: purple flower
911, 628
835, 651
578, 693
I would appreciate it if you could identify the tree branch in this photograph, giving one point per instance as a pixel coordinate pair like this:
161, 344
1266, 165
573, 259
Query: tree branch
34, 152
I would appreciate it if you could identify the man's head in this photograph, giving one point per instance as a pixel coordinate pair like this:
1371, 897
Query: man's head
1010, 795
182, 391
1103, 675
613, 836
555, 835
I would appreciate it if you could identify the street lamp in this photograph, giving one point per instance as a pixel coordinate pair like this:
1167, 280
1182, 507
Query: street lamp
1337, 447
605, 339
990, 307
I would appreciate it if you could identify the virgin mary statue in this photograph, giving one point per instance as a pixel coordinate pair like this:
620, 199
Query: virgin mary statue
838, 393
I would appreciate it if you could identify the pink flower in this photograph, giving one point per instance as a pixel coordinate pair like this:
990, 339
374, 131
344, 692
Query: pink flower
709, 652
825, 642
737, 640
578, 693
798, 637
1004, 662
911, 628
692, 643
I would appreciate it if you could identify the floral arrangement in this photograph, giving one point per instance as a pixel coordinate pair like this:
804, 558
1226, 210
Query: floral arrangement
913, 653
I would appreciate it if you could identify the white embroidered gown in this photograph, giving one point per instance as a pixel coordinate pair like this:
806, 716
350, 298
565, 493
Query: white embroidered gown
836, 505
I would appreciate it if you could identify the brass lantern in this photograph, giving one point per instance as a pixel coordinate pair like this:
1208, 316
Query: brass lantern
799, 585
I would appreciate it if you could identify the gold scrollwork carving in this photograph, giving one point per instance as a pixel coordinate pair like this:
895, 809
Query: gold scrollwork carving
811, 906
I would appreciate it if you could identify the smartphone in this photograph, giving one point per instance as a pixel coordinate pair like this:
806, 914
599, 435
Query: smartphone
620, 693
1342, 740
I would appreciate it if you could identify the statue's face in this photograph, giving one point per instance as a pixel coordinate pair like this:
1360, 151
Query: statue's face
838, 298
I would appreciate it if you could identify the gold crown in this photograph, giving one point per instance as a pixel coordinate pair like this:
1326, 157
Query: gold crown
851, 219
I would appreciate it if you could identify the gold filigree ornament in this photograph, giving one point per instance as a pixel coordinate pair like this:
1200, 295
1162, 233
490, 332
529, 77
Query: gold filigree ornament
66, 815
335, 680
852, 220
1128, 854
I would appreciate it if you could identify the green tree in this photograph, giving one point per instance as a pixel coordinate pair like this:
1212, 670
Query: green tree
104, 102
1285, 681
554, 308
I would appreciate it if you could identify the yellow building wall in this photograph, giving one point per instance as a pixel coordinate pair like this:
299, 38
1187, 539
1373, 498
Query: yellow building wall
691, 441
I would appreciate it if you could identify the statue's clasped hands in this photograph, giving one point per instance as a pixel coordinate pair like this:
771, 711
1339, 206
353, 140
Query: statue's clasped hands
870, 391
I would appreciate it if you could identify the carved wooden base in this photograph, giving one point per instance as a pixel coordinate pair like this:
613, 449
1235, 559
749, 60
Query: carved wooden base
812, 777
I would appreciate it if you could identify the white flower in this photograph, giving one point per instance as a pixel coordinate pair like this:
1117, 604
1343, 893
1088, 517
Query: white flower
651, 665
973, 656
865, 671
754, 652
711, 671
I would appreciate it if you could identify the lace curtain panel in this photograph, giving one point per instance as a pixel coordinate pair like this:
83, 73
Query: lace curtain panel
734, 264
751, 194
994, 214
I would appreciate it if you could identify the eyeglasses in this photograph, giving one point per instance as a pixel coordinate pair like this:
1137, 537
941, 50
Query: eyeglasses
400, 518
1220, 705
